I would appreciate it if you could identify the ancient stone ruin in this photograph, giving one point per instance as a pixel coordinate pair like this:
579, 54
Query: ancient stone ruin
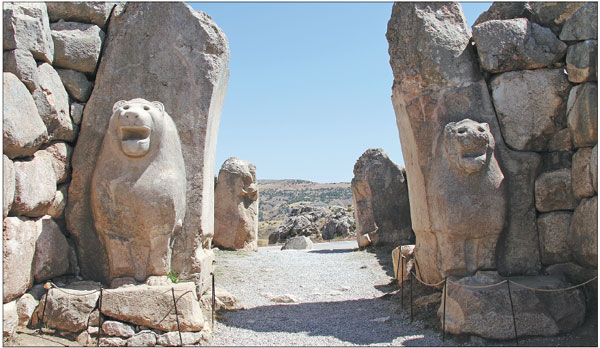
380, 197
498, 130
236, 206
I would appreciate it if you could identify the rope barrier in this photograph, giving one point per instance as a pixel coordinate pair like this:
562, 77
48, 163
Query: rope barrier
71, 293
424, 283
478, 286
554, 290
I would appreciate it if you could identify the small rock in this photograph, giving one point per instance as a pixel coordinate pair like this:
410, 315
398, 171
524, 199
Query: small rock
10, 319
334, 293
380, 320
8, 185
582, 114
582, 61
583, 233
117, 328
581, 176
144, 338
76, 83
298, 243
285, 299
77, 112
22, 64
26, 306
60, 156
57, 208
112, 342
171, 339
158, 281
554, 191
84, 339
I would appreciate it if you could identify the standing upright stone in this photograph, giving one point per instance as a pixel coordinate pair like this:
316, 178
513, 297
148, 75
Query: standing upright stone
180, 60
380, 196
236, 206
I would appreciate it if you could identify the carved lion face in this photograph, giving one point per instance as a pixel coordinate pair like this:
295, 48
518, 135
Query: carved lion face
135, 124
468, 144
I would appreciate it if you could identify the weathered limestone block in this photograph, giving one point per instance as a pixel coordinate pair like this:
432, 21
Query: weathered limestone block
52, 102
236, 206
407, 261
10, 318
51, 258
583, 233
81, 11
26, 306
35, 186
138, 190
21, 63
77, 112
554, 14
117, 328
151, 306
380, 196
582, 114
69, 309
528, 123
582, 25
23, 130
8, 185
582, 61
554, 230
554, 191
59, 155
59, 203
77, 46
19, 237
76, 83
581, 176
594, 167
505, 10
26, 26
193, 52
298, 242
487, 312
516, 44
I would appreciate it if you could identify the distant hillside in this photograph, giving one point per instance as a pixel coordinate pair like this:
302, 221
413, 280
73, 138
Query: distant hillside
277, 196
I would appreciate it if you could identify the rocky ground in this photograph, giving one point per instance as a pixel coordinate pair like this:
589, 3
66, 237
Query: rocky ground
344, 296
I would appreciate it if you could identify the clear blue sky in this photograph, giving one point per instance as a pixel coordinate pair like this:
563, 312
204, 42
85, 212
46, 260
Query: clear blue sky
309, 88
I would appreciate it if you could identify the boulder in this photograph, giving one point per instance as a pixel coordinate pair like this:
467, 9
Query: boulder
117, 328
8, 185
21, 63
553, 229
561, 141
26, 306
486, 312
81, 11
26, 26
198, 56
112, 342
59, 155
10, 319
69, 308
582, 25
50, 259
554, 191
582, 61
52, 102
145, 338
581, 176
77, 112
380, 197
35, 186
582, 114
594, 167
556, 160
528, 123
76, 83
516, 44
23, 130
77, 46
138, 190
408, 259
152, 306
172, 339
583, 233
571, 272
505, 10
553, 15
298, 242
223, 300
59, 203
236, 206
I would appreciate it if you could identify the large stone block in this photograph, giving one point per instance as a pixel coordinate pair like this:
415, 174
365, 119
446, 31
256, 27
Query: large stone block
76, 83
69, 307
553, 14
505, 10
582, 114
380, 196
554, 191
23, 130
59, 154
19, 236
26, 26
236, 206
52, 102
516, 44
582, 61
554, 231
528, 124
583, 233
81, 11
51, 258
581, 176
583, 24
486, 312
21, 63
8, 185
138, 190
594, 167
189, 75
152, 306
77, 46
35, 186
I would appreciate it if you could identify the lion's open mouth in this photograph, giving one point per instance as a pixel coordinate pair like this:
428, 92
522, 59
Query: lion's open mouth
135, 140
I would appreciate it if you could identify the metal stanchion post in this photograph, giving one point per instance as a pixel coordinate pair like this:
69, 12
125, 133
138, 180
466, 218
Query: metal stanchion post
177, 316
513, 313
445, 297
213, 300
411, 297
402, 288
47, 287
99, 318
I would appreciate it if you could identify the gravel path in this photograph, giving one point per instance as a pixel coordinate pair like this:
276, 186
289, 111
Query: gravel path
341, 299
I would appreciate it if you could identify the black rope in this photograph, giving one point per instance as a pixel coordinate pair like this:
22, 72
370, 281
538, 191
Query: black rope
513, 313
213, 300
445, 297
99, 318
177, 316
411, 297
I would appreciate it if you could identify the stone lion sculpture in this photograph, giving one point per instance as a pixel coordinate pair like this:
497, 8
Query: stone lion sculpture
467, 197
138, 190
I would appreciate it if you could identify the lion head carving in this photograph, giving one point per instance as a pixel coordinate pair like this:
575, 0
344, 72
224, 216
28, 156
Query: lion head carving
134, 122
468, 144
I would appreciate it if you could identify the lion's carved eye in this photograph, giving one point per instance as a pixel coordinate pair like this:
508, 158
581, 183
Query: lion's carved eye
462, 131
146, 107
126, 107
480, 129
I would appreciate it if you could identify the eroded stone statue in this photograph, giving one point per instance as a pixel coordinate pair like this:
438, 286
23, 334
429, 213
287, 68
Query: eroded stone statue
468, 196
138, 192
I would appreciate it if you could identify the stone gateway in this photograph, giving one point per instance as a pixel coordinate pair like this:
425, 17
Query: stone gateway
138, 190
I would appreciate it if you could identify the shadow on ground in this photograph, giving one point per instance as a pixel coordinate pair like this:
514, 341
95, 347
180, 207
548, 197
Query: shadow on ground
332, 251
